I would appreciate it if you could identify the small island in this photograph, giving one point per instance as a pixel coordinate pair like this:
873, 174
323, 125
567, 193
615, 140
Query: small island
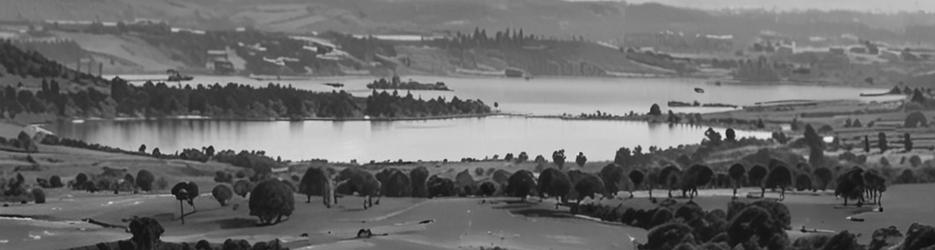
698, 104
395, 83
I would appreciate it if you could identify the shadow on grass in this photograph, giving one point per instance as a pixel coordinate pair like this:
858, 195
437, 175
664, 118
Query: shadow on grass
513, 204
543, 212
235, 223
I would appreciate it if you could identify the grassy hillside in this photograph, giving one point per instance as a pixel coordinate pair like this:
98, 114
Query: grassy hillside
607, 21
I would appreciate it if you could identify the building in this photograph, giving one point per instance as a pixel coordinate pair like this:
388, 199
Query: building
219, 61
37, 132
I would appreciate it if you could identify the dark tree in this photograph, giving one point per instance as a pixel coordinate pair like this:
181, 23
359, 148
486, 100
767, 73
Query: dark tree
80, 181
146, 232
185, 191
55, 181
669, 177
842, 241
815, 146
919, 237
554, 184
907, 142
636, 177
752, 221
395, 183
142, 148
694, 177
464, 183
779, 177
850, 185
881, 142
586, 185
26, 142
736, 173
271, 199
713, 136
38, 195
915, 119
730, 135
803, 182
222, 194
581, 159
313, 183
756, 175
487, 189
144, 180
558, 157
874, 186
440, 187
522, 157
223, 177
242, 188
360, 182
613, 175
668, 236
823, 176
655, 110
521, 184
419, 176
866, 144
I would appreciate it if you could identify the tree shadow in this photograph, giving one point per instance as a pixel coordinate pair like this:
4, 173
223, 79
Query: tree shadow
512, 204
235, 223
542, 212
164, 216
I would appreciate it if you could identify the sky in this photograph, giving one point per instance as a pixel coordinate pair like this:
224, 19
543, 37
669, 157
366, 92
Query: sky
859, 5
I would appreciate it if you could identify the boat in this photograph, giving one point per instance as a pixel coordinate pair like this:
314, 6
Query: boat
875, 94
514, 73
335, 84
699, 90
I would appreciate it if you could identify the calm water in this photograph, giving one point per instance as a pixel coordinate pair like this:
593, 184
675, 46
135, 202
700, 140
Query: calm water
576, 95
456, 138
407, 140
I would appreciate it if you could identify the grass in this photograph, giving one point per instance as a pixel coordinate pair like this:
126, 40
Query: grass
455, 222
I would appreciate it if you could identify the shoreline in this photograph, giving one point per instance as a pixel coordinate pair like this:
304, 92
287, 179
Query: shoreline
726, 80
638, 118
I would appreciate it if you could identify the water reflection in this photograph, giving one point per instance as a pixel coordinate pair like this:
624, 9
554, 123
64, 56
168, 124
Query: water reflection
409, 140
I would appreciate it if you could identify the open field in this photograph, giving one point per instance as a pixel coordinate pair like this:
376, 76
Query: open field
411, 223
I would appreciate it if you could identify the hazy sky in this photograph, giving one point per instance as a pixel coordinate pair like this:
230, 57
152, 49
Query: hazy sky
862, 5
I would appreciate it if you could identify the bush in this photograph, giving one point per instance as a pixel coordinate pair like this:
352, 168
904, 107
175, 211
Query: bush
919, 236
668, 236
223, 177
915, 119
440, 187
144, 180
842, 240
80, 181
56, 182
222, 194
193, 155
487, 189
38, 195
